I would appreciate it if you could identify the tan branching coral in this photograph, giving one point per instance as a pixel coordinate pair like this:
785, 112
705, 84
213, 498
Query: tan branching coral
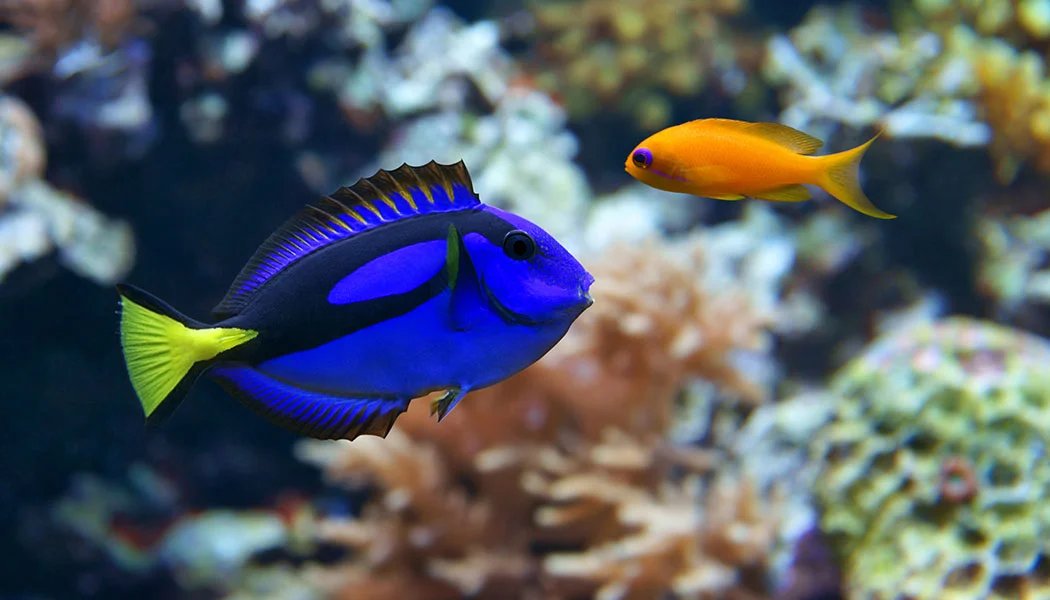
562, 482
630, 54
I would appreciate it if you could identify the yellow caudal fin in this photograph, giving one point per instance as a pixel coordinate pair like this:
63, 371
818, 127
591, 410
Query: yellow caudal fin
840, 178
165, 352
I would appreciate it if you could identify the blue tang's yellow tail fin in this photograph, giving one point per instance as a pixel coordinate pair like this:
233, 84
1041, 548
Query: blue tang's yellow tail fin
165, 351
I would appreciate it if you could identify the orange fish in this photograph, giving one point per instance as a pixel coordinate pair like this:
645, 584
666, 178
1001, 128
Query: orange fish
730, 160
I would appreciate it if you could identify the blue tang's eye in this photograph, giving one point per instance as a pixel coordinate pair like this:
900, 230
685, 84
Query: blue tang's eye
642, 158
519, 245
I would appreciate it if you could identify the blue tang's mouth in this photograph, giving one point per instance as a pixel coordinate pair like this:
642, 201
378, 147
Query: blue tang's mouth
584, 301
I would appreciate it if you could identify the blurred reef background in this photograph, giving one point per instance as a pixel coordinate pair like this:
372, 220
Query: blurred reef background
789, 402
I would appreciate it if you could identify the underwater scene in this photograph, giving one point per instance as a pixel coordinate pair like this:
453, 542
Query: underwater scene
525, 299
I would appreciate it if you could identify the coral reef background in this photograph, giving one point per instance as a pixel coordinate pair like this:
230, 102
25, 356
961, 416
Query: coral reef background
766, 401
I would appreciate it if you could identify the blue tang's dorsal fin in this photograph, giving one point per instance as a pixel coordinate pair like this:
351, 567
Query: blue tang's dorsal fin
383, 198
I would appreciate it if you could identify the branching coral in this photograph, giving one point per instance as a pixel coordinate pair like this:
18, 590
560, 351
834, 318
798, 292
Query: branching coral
1021, 21
141, 526
53, 25
1015, 260
520, 157
39, 219
22, 153
1015, 99
436, 66
562, 482
1004, 42
933, 479
835, 70
631, 55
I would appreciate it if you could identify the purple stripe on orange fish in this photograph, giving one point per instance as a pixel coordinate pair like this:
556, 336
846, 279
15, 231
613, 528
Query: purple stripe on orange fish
672, 176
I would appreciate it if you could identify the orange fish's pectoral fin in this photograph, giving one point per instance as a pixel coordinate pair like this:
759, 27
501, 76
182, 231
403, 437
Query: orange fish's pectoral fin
724, 196
788, 193
788, 137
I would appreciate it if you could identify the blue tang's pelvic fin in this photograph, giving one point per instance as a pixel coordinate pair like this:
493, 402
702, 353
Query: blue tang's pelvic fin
446, 402
314, 414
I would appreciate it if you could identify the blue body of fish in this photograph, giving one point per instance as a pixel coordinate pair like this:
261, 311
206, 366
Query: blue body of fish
401, 285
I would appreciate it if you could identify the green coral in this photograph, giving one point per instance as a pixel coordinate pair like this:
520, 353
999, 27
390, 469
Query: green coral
918, 414
635, 56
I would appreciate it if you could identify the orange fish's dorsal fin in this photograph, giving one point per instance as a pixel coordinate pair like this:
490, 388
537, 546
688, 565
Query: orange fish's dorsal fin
788, 193
788, 137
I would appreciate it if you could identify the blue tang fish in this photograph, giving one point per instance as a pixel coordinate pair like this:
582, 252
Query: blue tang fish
401, 285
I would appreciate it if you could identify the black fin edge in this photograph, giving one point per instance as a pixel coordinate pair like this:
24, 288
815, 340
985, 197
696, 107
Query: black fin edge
326, 412
367, 191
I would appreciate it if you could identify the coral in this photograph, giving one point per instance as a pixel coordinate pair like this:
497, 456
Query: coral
933, 476
1014, 270
91, 50
55, 25
438, 65
1020, 21
514, 141
16, 57
520, 157
1015, 99
834, 70
38, 218
22, 140
563, 481
632, 56
140, 527
1005, 45
772, 447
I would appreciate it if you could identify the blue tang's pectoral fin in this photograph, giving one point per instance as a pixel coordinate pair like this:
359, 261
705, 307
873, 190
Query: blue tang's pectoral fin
313, 414
446, 402
466, 305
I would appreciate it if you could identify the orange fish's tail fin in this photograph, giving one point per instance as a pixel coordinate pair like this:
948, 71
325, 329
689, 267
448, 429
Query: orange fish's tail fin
840, 177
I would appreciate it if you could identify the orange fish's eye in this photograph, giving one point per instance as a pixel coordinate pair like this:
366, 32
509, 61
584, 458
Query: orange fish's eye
642, 158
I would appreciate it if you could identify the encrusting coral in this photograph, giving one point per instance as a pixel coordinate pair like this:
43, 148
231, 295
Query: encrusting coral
630, 55
562, 482
933, 475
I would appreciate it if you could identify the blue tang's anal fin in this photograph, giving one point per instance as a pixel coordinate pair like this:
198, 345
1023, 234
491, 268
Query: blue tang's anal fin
309, 413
